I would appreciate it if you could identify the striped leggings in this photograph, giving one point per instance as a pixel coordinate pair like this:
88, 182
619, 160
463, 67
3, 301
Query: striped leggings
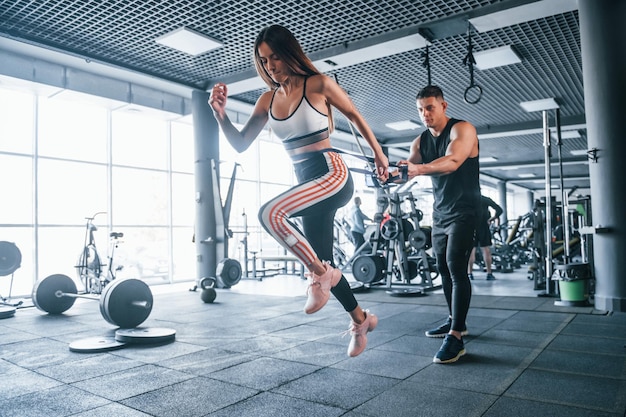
324, 186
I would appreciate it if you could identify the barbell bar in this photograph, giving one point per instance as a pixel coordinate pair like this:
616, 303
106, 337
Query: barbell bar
125, 303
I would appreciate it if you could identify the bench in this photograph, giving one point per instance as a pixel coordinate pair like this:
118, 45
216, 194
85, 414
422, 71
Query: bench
287, 264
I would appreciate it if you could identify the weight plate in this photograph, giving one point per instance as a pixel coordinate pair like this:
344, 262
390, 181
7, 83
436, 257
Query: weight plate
146, 335
126, 303
368, 268
10, 258
407, 292
96, 345
45, 297
228, 272
6, 312
417, 239
208, 295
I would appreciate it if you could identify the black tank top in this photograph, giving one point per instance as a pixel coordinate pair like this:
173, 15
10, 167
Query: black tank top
456, 194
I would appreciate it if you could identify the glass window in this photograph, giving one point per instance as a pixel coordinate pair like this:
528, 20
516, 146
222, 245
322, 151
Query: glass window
143, 254
138, 140
140, 197
16, 121
184, 254
182, 147
72, 129
70, 191
275, 164
183, 199
17, 194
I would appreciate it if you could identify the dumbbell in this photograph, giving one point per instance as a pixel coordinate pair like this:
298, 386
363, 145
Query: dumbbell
125, 303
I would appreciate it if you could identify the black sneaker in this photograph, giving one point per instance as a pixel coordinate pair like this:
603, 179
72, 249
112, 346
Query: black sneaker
490, 277
443, 330
451, 350
470, 276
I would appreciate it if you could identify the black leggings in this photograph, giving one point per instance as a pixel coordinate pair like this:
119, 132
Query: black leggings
452, 246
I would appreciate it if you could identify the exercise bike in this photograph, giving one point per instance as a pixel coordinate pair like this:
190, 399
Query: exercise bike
89, 266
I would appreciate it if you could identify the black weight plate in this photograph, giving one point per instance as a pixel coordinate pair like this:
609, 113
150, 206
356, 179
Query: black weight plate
6, 312
96, 345
228, 272
44, 293
146, 335
368, 268
408, 292
126, 303
10, 258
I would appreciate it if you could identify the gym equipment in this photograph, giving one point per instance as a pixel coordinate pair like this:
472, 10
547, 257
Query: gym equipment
96, 345
208, 294
6, 312
146, 335
89, 265
397, 247
125, 303
473, 89
227, 270
10, 261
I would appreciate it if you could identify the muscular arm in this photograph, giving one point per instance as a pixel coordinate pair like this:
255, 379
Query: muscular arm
463, 144
239, 140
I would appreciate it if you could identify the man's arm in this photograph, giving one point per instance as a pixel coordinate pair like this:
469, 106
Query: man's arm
463, 144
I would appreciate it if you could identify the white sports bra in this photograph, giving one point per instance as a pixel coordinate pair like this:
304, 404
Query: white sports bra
303, 127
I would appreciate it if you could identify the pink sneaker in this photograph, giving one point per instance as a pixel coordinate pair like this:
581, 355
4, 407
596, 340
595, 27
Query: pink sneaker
359, 334
318, 291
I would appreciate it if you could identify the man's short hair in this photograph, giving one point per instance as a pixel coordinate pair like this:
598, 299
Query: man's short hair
430, 91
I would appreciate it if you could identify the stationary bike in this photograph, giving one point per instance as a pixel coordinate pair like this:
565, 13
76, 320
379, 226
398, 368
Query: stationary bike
89, 267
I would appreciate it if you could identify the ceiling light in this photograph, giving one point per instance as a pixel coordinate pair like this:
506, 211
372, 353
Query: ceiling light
569, 134
403, 125
496, 57
527, 175
487, 159
525, 13
369, 53
188, 41
578, 152
539, 105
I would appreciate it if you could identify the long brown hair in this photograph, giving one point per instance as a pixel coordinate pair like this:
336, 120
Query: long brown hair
285, 45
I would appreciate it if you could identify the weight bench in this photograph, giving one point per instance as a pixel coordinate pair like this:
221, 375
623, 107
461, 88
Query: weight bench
288, 266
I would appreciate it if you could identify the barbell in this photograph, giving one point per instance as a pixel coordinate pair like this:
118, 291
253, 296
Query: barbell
125, 303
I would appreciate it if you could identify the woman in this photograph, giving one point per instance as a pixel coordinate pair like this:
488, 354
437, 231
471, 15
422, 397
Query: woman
298, 108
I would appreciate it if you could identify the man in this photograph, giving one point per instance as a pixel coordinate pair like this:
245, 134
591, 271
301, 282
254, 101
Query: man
448, 152
357, 217
483, 235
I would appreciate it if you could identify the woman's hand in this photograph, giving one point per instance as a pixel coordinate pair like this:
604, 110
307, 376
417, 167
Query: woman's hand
382, 167
217, 100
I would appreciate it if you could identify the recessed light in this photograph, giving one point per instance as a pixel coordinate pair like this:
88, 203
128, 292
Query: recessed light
496, 57
520, 14
579, 152
403, 125
188, 41
487, 159
539, 105
568, 134
526, 175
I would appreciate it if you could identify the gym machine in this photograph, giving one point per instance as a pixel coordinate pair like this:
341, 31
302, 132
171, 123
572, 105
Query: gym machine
394, 254
228, 270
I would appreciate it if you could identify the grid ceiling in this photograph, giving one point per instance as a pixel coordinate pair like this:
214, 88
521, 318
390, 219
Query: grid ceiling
122, 33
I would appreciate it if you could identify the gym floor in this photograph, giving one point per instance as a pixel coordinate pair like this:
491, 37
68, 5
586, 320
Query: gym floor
253, 352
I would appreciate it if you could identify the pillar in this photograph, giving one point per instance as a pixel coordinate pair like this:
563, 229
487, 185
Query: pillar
206, 155
603, 42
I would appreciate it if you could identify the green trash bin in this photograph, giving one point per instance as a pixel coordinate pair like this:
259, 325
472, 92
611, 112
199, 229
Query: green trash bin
573, 284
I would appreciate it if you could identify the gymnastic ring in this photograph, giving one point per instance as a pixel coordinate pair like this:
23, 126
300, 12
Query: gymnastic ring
469, 89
